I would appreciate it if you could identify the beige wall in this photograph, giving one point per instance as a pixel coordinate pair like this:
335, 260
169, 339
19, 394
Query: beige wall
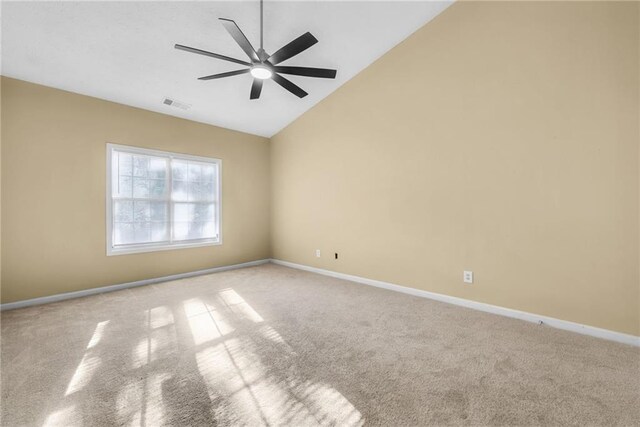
53, 191
500, 138
0, 190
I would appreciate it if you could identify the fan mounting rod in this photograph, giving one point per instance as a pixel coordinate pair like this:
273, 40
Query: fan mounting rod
261, 25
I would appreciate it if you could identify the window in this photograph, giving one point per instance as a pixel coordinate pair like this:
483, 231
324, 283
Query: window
158, 200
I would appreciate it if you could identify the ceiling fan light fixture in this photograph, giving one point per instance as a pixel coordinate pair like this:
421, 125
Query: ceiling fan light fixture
262, 66
261, 72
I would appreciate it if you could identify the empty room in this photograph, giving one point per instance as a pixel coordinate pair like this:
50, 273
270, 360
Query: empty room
320, 213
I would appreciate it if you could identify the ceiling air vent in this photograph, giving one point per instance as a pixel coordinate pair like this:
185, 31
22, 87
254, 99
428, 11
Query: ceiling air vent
176, 104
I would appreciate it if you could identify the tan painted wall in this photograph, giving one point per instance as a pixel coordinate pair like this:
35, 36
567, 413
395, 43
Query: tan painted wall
500, 138
53, 191
0, 189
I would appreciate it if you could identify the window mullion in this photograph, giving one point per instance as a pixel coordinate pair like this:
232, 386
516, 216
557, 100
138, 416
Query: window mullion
170, 201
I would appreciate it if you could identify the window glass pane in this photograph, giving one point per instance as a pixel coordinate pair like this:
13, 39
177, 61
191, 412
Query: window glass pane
180, 231
159, 231
192, 230
195, 172
209, 191
123, 233
194, 221
123, 211
195, 230
201, 230
158, 168
140, 188
179, 170
204, 212
195, 191
159, 211
201, 191
141, 211
180, 191
122, 186
209, 229
193, 181
189, 212
140, 166
142, 232
208, 173
157, 188
182, 212
123, 163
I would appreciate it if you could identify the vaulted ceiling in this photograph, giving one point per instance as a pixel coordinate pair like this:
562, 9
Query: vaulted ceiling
123, 51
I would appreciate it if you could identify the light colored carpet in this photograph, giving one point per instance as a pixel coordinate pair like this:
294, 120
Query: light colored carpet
272, 345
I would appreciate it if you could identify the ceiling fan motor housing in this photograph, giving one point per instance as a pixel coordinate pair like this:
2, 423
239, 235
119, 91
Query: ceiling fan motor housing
262, 55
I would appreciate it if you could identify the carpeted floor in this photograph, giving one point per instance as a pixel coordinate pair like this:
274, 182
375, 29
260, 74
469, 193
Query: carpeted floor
272, 345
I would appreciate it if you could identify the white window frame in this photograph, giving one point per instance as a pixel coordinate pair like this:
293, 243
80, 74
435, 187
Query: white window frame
162, 246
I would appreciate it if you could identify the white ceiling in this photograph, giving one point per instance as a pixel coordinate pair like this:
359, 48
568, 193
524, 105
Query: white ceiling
123, 51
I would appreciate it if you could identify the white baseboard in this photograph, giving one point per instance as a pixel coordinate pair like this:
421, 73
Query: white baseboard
502, 311
111, 288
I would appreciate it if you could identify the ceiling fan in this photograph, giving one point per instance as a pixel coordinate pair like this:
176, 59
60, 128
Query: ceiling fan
263, 66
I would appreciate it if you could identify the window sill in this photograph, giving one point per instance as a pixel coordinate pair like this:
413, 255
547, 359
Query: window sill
156, 248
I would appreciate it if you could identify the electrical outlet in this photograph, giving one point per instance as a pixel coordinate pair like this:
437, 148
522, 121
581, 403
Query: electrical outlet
317, 253
467, 276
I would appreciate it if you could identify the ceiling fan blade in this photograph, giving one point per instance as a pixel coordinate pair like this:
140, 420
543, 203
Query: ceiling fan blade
211, 54
240, 38
227, 74
324, 73
298, 45
289, 85
256, 88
